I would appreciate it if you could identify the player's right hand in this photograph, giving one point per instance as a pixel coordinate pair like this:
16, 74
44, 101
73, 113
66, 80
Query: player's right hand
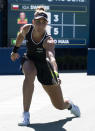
14, 56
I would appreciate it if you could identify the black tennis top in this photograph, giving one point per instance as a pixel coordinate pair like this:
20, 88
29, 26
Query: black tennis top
35, 50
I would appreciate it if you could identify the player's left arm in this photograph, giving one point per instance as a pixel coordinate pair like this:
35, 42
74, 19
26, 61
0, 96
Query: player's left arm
49, 45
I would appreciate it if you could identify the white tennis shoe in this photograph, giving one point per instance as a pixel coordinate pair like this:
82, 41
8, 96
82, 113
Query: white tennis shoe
75, 109
25, 119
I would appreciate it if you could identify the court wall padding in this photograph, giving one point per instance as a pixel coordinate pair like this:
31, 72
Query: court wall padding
8, 67
91, 61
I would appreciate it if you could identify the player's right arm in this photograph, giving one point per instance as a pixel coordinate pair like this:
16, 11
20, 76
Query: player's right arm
20, 37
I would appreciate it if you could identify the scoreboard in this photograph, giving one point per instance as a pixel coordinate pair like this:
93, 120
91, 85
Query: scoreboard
68, 20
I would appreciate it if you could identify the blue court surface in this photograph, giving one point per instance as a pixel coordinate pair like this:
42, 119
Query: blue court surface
44, 117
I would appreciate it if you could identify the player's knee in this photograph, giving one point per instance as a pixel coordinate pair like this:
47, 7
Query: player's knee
30, 75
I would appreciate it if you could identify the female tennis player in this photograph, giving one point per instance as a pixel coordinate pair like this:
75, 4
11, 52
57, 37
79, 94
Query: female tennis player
40, 60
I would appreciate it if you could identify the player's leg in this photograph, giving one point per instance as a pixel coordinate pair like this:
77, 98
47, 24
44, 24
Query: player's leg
57, 100
53, 89
56, 97
30, 72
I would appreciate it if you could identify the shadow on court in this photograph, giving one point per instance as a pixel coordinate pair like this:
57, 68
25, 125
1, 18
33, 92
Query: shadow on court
52, 126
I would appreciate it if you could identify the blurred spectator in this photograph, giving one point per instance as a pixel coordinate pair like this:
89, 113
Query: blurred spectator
22, 19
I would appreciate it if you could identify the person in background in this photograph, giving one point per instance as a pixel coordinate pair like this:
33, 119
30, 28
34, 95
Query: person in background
22, 19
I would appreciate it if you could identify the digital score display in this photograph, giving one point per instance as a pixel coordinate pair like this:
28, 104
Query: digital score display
68, 20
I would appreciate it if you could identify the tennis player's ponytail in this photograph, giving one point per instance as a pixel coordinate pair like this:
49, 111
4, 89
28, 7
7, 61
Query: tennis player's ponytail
40, 8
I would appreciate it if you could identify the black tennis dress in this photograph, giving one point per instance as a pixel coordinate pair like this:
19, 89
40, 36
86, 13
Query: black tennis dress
37, 54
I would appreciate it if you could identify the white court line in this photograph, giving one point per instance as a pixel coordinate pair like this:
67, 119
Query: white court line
74, 21
66, 25
62, 24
